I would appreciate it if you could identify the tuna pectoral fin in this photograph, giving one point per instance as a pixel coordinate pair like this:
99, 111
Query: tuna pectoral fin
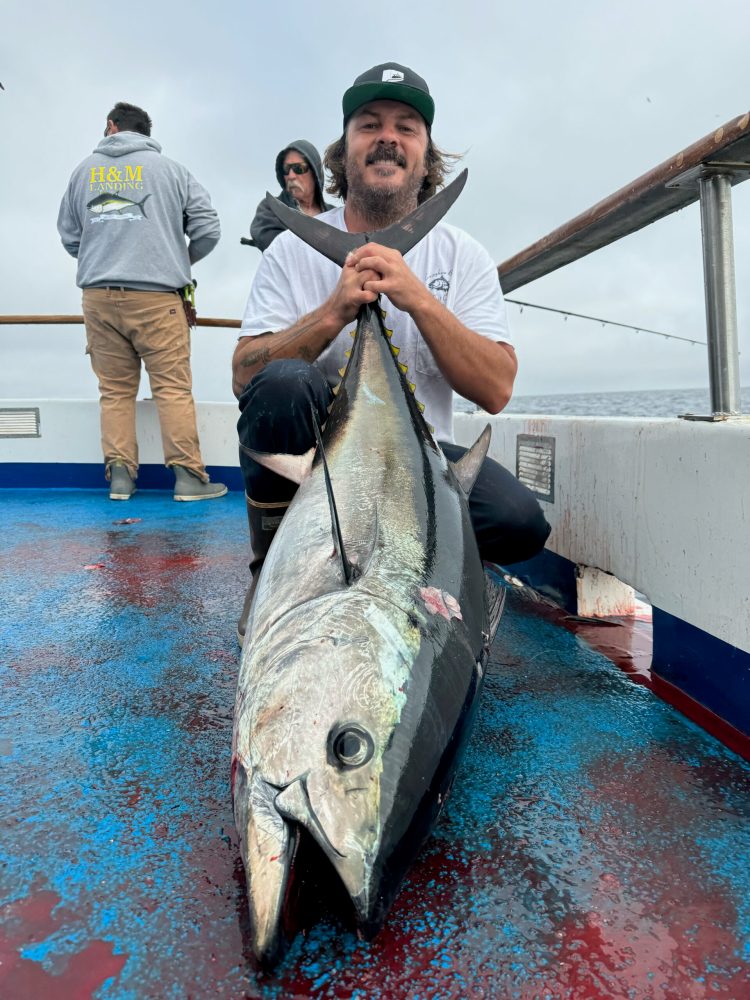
293, 467
466, 469
347, 568
268, 847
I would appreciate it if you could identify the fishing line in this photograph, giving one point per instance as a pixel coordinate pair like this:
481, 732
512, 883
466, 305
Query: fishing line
604, 322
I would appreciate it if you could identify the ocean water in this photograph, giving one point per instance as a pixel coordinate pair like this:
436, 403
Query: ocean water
644, 403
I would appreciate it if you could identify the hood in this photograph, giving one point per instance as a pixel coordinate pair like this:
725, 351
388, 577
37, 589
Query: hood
312, 156
125, 143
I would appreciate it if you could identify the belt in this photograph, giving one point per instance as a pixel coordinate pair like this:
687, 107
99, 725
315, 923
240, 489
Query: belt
129, 288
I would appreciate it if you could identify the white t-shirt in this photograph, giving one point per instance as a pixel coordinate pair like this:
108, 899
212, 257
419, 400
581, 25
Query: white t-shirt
293, 279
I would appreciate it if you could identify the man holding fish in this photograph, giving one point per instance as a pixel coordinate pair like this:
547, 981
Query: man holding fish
442, 303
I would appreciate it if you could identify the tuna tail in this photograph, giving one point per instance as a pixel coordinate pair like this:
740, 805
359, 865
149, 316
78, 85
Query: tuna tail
141, 203
402, 236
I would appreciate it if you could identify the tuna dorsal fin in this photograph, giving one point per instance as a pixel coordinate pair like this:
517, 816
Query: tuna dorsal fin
466, 469
402, 236
293, 467
348, 569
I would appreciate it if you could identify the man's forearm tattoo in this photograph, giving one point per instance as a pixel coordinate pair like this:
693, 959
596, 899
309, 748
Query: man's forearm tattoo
264, 355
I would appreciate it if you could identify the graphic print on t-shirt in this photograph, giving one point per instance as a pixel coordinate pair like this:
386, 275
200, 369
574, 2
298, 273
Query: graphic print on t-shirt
440, 284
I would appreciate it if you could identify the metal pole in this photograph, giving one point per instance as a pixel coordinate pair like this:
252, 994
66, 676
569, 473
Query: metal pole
721, 298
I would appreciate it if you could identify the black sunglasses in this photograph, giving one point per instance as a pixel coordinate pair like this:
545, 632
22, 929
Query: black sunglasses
297, 168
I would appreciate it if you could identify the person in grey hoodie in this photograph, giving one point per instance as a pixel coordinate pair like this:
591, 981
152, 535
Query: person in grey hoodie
300, 174
125, 216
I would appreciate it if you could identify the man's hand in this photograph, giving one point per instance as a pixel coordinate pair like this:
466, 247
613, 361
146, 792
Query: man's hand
477, 368
385, 272
350, 292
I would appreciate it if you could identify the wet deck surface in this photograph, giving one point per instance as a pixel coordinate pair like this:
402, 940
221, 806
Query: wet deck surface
596, 843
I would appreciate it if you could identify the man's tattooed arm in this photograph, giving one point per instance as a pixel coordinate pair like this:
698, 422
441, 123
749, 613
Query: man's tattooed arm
307, 339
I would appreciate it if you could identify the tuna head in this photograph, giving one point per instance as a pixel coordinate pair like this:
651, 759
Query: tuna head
315, 756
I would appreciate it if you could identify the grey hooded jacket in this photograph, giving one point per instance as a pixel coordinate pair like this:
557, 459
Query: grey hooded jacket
126, 213
265, 227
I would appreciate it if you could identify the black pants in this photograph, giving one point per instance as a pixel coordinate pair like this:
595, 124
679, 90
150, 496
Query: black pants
276, 417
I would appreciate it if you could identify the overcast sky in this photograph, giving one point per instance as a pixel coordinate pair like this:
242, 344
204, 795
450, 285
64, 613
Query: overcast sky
554, 106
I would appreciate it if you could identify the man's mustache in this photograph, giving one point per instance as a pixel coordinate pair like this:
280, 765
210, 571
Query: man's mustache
385, 154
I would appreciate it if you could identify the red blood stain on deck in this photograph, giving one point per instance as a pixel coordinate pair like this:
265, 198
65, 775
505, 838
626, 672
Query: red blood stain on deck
31, 920
625, 641
651, 930
142, 575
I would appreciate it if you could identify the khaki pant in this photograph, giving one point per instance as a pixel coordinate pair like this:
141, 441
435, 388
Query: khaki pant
126, 327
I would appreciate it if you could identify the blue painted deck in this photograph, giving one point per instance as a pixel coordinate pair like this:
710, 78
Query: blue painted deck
596, 843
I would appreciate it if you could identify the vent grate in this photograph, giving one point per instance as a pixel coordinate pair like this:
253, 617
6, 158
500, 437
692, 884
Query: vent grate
535, 464
19, 423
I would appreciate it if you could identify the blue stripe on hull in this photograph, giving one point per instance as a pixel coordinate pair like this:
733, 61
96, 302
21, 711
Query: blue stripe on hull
90, 476
707, 669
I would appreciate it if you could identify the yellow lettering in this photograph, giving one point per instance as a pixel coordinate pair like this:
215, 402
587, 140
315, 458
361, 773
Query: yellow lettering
133, 173
97, 174
113, 174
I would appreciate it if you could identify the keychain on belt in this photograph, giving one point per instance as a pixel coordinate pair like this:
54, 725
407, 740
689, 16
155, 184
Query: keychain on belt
188, 303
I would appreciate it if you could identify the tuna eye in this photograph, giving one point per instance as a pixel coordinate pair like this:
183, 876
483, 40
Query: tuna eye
351, 746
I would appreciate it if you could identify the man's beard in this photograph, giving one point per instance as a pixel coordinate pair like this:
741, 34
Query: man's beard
387, 203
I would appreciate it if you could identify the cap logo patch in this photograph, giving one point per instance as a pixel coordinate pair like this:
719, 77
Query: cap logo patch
392, 76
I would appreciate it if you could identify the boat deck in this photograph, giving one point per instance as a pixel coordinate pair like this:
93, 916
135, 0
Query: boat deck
595, 845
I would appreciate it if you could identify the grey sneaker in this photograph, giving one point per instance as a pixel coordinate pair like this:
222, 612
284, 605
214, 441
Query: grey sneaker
121, 486
188, 486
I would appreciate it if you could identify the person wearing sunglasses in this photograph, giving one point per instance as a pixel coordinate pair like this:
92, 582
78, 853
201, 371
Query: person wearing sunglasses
300, 174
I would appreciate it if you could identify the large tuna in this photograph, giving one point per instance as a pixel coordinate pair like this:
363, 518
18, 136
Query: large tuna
367, 638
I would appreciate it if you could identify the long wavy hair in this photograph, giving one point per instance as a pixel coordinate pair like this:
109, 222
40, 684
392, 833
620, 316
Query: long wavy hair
438, 164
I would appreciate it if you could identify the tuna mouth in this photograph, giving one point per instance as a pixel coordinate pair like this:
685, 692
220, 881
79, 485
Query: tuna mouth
311, 893
290, 867
315, 893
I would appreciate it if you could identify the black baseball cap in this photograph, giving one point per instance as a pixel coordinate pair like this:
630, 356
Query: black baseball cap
389, 82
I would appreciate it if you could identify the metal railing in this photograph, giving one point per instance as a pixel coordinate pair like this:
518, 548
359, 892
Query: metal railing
703, 172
